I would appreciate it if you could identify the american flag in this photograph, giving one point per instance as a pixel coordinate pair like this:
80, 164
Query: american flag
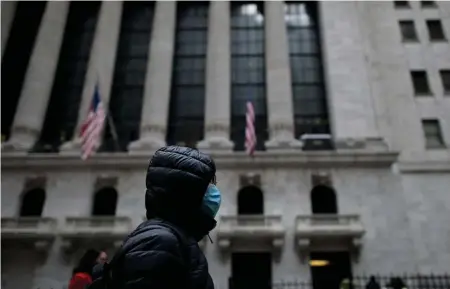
250, 134
92, 127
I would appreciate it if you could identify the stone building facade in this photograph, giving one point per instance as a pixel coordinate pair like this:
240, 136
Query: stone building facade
373, 186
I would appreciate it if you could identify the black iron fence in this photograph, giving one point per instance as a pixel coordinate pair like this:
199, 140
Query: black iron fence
377, 282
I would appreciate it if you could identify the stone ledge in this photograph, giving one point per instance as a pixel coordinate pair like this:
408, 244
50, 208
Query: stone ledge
424, 167
281, 159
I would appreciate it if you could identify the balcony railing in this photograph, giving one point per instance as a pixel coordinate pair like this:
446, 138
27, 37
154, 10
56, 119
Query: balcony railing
107, 226
329, 225
37, 231
338, 230
251, 227
28, 227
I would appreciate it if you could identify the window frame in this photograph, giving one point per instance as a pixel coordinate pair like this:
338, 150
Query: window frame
306, 123
410, 25
445, 80
440, 31
401, 4
186, 125
438, 136
127, 89
248, 33
415, 74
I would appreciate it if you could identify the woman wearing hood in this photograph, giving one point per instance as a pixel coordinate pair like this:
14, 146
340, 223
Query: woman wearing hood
181, 202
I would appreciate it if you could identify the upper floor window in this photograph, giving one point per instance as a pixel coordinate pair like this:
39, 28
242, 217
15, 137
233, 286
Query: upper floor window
432, 133
32, 203
435, 30
250, 201
125, 105
428, 4
248, 70
105, 202
16, 55
408, 30
323, 200
62, 111
445, 78
187, 103
401, 4
420, 82
308, 88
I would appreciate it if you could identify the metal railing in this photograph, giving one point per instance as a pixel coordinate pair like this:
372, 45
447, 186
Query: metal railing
405, 281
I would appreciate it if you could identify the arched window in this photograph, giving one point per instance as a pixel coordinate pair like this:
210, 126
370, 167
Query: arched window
323, 200
105, 202
250, 201
32, 203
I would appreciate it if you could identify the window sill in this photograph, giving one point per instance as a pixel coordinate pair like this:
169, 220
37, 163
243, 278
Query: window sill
410, 41
443, 40
427, 94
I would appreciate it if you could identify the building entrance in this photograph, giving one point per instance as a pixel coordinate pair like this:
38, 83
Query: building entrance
328, 269
251, 270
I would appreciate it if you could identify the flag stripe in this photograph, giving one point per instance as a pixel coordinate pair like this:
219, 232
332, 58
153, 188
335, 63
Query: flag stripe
91, 128
250, 134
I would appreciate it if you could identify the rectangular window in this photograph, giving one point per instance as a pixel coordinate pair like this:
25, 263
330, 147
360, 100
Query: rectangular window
62, 111
445, 78
420, 82
432, 133
308, 89
401, 4
435, 30
125, 105
187, 103
248, 70
408, 30
428, 4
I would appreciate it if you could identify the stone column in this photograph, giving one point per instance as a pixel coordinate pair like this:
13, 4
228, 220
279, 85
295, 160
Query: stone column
8, 11
349, 90
278, 77
155, 109
101, 65
38, 82
217, 100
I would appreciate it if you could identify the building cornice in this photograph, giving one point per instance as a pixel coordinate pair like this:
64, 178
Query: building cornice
416, 167
224, 160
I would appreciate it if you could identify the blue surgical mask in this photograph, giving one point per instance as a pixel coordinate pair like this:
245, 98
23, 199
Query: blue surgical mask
211, 200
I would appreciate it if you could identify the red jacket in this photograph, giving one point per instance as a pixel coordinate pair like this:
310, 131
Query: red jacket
80, 281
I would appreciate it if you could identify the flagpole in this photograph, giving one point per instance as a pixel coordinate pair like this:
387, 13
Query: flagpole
112, 127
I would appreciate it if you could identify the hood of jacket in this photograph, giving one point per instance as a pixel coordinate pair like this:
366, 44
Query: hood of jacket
177, 179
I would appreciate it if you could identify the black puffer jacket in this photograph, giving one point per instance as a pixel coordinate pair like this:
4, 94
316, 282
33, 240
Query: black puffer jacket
177, 179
